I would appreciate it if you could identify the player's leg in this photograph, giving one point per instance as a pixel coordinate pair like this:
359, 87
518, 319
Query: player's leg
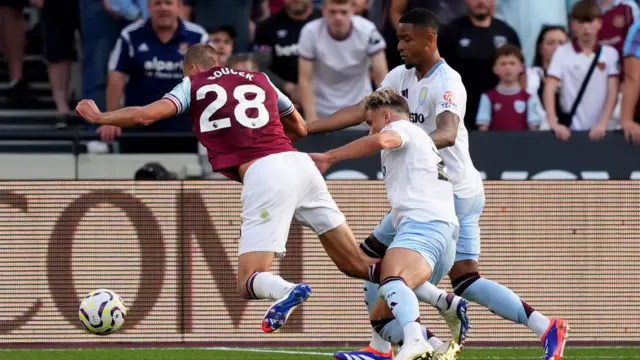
467, 282
268, 207
375, 246
416, 250
319, 211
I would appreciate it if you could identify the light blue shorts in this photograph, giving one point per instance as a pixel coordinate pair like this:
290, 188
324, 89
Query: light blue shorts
468, 211
434, 240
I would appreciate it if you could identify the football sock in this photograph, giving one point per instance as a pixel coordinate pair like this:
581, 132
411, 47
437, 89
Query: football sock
370, 299
538, 323
265, 285
500, 300
404, 306
392, 331
432, 339
431, 294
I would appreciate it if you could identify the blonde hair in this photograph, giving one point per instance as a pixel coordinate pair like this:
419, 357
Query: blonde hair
387, 98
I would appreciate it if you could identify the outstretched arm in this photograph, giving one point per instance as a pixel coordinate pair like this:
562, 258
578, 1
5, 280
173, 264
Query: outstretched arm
359, 148
342, 119
128, 116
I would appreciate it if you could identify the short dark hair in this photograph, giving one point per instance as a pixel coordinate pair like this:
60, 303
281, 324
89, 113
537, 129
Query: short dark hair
508, 50
388, 98
586, 11
421, 17
230, 30
203, 55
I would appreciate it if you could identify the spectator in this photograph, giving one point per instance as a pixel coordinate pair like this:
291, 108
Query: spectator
551, 37
149, 53
242, 62
537, 13
277, 43
222, 39
473, 39
617, 18
337, 51
100, 30
508, 107
587, 75
630, 112
212, 14
60, 20
13, 42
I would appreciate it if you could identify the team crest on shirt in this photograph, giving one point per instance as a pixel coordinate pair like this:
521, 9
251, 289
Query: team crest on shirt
423, 96
519, 106
497, 107
601, 65
618, 21
499, 41
182, 49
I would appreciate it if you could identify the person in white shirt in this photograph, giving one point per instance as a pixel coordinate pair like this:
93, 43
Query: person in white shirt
422, 210
568, 70
339, 54
437, 101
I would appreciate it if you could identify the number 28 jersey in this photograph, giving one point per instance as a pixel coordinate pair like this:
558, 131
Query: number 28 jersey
235, 115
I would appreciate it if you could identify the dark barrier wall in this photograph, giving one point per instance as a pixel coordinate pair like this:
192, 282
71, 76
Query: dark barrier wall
513, 156
570, 248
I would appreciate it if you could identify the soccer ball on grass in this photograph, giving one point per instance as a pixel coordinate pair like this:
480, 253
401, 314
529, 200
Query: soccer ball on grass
102, 312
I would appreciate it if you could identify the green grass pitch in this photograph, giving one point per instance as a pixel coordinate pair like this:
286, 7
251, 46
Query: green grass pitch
299, 354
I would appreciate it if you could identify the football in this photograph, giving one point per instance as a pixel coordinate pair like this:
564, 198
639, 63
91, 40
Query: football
102, 312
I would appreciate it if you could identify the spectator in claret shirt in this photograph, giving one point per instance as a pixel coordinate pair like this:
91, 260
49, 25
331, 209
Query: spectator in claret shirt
508, 107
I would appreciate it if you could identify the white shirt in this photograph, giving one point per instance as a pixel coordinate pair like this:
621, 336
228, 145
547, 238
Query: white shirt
440, 90
570, 66
416, 179
341, 67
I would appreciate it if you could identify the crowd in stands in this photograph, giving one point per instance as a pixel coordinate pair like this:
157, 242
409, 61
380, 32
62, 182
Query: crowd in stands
559, 65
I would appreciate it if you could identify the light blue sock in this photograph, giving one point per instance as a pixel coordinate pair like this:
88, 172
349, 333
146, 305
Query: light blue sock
401, 300
371, 295
497, 298
392, 332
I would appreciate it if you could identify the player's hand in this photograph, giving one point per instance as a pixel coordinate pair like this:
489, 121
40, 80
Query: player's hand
89, 111
562, 132
631, 132
322, 161
597, 132
108, 133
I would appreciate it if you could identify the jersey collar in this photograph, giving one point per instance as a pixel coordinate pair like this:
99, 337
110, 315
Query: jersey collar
433, 68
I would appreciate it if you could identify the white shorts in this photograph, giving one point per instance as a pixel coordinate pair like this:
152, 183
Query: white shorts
277, 188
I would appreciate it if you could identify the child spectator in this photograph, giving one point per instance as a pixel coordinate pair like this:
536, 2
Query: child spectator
508, 107
222, 39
